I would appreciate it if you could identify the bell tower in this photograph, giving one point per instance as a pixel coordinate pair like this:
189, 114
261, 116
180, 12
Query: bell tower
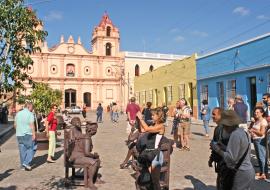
105, 38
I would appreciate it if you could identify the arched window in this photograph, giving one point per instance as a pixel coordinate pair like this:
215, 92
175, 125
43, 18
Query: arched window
108, 49
137, 70
70, 70
151, 68
108, 31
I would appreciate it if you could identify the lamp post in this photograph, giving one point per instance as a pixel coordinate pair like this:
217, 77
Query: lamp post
121, 74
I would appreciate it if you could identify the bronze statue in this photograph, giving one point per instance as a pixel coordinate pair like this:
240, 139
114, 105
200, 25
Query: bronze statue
83, 146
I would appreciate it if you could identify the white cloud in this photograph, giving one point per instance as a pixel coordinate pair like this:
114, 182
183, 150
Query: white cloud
179, 39
174, 30
263, 17
199, 33
241, 11
53, 15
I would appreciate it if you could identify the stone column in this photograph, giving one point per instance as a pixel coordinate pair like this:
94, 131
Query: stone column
79, 94
95, 64
95, 94
62, 66
79, 67
63, 93
39, 65
100, 66
45, 67
100, 92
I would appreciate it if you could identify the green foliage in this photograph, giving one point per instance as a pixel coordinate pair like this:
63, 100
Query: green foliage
19, 37
43, 97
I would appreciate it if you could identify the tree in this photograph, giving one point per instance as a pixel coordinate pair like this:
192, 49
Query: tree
43, 97
20, 34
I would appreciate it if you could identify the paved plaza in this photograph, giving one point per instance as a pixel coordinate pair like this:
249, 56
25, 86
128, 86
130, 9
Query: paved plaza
189, 170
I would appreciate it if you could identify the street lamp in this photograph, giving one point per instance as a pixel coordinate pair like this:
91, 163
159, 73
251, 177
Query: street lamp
120, 71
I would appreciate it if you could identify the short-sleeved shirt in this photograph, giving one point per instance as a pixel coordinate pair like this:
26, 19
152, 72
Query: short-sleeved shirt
23, 120
52, 122
133, 109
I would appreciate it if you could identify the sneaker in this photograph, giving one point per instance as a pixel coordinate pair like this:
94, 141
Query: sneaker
27, 168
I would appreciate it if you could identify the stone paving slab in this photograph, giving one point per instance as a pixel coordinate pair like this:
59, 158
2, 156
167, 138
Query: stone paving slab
189, 170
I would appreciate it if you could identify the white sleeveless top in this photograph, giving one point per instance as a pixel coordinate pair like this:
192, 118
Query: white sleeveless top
257, 125
158, 138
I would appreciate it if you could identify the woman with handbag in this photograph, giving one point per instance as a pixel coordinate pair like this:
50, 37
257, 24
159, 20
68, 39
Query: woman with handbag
51, 131
237, 172
159, 129
257, 131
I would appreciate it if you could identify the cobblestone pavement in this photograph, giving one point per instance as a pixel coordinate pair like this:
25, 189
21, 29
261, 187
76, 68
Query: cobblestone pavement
189, 170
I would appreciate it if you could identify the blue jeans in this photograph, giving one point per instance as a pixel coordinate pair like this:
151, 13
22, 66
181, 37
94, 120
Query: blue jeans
99, 117
157, 162
206, 126
259, 145
115, 116
26, 149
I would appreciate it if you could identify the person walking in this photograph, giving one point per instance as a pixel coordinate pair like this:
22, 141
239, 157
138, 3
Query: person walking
51, 131
175, 126
184, 124
205, 114
25, 133
147, 115
115, 113
99, 113
165, 110
84, 111
131, 110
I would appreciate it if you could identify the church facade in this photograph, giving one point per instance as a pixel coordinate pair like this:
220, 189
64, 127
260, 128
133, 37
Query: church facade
99, 76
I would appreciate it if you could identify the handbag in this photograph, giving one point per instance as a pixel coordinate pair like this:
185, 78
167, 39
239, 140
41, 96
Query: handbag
148, 155
227, 174
144, 178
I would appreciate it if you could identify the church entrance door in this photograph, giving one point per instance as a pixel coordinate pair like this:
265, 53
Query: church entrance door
70, 97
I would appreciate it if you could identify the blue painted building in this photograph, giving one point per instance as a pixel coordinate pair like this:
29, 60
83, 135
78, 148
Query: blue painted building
242, 69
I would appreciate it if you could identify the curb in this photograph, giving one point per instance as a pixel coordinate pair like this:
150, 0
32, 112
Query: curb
6, 130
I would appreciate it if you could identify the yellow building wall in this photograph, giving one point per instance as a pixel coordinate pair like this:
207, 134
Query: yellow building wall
179, 76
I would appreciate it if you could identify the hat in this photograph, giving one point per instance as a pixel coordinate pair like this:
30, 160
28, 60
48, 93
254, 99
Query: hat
230, 118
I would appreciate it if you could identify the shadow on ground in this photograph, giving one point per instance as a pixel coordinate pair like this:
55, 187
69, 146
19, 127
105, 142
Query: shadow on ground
198, 134
39, 160
197, 184
7, 136
5, 174
12, 187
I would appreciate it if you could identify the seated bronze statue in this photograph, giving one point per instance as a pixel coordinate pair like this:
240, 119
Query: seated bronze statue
160, 174
82, 148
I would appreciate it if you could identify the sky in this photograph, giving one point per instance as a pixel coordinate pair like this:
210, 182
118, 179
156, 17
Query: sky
180, 27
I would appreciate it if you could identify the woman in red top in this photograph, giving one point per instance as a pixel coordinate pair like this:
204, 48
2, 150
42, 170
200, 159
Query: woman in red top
51, 130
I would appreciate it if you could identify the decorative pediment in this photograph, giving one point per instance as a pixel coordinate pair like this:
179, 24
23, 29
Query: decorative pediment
67, 48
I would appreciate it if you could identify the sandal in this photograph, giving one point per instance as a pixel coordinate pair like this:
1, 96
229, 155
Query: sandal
187, 148
262, 177
123, 166
258, 174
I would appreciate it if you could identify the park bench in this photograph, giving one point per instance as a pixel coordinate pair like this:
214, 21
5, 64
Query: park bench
42, 141
68, 147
